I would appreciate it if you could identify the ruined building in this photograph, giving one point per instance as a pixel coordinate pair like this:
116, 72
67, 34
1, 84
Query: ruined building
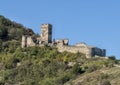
62, 45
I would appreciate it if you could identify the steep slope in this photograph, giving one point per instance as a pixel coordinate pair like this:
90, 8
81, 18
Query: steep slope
12, 30
105, 76
11, 33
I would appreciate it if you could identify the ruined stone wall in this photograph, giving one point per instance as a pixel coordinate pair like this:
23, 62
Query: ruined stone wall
99, 52
62, 44
30, 42
88, 51
27, 41
74, 49
103, 52
24, 41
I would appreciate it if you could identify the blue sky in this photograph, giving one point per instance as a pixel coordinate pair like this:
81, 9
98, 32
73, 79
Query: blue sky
96, 22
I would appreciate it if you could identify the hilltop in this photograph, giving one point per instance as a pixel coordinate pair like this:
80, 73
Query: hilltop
46, 65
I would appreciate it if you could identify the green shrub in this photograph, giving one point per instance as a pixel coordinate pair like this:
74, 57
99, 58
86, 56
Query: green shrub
92, 68
76, 69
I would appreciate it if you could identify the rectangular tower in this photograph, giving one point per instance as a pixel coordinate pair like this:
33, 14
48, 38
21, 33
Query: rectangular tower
46, 33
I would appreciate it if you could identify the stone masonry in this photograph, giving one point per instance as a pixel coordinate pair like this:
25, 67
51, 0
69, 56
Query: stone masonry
62, 44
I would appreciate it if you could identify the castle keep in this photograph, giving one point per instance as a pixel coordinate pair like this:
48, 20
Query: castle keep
62, 44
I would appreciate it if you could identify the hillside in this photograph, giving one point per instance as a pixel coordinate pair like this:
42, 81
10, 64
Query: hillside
12, 30
11, 33
104, 76
46, 66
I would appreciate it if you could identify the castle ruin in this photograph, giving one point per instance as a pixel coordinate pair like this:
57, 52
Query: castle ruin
62, 44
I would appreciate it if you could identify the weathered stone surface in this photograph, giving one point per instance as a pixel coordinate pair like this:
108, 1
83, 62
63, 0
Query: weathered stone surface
46, 34
62, 44
24, 41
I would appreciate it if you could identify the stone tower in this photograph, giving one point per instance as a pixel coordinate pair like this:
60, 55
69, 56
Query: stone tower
46, 33
24, 41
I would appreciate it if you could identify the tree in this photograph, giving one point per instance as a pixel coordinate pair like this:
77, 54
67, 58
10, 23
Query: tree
76, 69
